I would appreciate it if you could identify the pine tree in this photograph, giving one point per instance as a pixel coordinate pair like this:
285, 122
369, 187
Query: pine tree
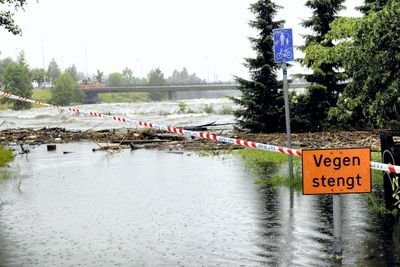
310, 110
372, 6
262, 107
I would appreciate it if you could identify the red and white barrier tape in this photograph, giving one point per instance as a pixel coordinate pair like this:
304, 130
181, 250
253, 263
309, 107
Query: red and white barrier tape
204, 135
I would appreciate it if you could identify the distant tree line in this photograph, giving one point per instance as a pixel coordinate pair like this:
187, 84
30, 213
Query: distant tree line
355, 64
18, 78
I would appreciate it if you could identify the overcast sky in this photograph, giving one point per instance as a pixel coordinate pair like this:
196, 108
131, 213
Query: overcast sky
208, 37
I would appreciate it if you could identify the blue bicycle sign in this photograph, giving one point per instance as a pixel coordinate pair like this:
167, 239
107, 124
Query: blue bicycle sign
283, 45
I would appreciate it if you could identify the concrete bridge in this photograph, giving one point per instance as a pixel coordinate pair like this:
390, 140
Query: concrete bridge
92, 90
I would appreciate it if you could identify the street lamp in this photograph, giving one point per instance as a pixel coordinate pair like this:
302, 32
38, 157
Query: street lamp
208, 72
44, 66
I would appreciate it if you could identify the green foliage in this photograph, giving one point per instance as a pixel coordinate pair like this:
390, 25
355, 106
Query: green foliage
367, 48
261, 103
266, 164
115, 79
183, 77
225, 110
296, 182
310, 111
43, 95
209, 109
65, 91
3, 65
182, 107
372, 6
17, 80
73, 72
38, 75
127, 75
53, 71
99, 76
7, 17
156, 77
6, 156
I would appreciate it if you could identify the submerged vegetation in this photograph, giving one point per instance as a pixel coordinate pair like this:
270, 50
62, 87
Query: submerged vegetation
271, 168
6, 156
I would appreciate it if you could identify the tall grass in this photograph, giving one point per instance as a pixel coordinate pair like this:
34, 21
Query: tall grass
6, 156
271, 167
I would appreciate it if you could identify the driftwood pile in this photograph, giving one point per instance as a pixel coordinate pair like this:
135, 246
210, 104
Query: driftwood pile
148, 138
321, 140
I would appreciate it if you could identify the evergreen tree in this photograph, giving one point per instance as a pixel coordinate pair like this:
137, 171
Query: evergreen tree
372, 6
310, 110
261, 102
17, 80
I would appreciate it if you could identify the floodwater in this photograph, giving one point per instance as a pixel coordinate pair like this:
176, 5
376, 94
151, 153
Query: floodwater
197, 112
154, 208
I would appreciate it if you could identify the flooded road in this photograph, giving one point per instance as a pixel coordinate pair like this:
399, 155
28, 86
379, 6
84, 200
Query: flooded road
153, 208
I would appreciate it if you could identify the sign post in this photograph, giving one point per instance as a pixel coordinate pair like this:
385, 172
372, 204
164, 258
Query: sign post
337, 226
337, 171
283, 52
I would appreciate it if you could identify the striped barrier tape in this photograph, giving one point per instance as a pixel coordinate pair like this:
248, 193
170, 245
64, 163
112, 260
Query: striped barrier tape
203, 135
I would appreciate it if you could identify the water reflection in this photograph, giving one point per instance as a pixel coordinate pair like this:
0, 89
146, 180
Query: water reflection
152, 208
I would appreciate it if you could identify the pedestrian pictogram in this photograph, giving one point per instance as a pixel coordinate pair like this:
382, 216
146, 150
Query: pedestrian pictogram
283, 45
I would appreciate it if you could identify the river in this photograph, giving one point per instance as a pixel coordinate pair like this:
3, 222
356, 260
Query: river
75, 207
197, 112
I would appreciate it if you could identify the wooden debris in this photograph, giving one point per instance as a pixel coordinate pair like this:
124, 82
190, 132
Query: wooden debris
149, 138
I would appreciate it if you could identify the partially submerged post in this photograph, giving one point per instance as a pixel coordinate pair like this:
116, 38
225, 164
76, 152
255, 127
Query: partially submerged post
283, 52
337, 226
337, 171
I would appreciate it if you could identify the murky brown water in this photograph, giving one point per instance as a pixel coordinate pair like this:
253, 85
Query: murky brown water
153, 208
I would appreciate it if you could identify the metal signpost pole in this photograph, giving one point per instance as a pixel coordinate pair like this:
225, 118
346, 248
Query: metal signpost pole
287, 116
337, 226
283, 52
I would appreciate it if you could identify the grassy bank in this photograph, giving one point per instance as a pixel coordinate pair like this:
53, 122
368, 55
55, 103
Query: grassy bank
37, 94
270, 167
123, 97
45, 96
5, 157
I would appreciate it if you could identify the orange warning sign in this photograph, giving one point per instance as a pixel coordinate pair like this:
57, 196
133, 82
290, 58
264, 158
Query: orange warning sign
337, 171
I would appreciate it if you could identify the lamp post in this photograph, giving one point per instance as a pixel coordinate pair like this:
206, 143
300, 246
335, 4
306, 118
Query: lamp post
44, 66
86, 68
207, 68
